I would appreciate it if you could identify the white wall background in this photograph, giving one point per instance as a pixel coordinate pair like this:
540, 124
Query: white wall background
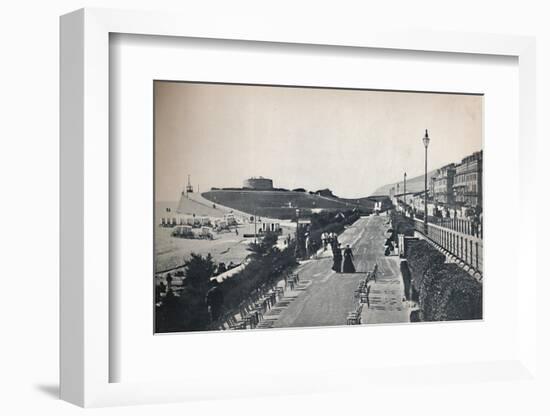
29, 208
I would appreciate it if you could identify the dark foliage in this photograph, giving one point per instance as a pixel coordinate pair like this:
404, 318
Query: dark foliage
421, 257
330, 222
199, 270
264, 246
449, 293
406, 274
444, 291
262, 270
188, 311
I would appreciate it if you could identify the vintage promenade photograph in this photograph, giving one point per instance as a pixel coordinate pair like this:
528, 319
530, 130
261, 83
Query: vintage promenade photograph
294, 207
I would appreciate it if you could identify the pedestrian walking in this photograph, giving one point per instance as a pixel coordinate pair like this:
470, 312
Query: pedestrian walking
308, 246
324, 239
348, 260
337, 259
334, 241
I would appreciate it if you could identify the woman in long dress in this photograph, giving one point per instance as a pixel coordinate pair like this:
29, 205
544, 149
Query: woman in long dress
348, 260
337, 258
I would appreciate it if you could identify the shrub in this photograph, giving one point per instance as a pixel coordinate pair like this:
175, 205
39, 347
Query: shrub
421, 257
188, 312
449, 293
199, 270
406, 275
260, 271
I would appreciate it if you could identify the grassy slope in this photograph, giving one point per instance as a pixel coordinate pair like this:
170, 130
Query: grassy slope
272, 202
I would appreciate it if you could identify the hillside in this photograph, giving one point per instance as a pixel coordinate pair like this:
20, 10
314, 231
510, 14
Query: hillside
192, 204
279, 204
415, 184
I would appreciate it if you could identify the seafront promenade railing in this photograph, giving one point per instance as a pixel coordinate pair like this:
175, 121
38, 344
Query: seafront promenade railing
463, 226
466, 247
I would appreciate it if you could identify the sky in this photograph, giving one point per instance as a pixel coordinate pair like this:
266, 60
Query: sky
351, 141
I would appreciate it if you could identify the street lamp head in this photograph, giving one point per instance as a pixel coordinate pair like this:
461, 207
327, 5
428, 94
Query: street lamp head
426, 139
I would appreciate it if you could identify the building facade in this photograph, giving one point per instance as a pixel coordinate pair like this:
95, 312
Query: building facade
443, 184
258, 183
468, 189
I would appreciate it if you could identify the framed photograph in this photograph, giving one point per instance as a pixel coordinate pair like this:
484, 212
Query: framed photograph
233, 199
315, 242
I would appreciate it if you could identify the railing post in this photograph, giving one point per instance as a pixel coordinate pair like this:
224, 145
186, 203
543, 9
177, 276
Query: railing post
454, 244
452, 238
477, 256
471, 253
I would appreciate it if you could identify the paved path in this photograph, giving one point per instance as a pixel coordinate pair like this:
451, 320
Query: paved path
325, 297
386, 302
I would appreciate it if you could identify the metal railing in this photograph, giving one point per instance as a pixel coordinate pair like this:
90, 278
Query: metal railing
463, 226
464, 247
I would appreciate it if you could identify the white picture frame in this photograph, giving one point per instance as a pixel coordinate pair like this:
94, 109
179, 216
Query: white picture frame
85, 178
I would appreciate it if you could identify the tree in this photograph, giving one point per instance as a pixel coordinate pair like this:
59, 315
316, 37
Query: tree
199, 270
264, 246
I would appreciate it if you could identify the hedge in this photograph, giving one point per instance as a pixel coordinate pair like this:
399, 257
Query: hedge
448, 293
406, 275
257, 273
421, 257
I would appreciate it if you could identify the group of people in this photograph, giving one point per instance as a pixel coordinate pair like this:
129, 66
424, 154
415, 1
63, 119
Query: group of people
338, 255
328, 239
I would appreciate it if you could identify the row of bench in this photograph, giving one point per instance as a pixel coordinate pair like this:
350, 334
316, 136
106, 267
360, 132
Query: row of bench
252, 310
361, 294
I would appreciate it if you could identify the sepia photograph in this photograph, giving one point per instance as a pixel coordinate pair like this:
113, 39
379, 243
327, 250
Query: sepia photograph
294, 207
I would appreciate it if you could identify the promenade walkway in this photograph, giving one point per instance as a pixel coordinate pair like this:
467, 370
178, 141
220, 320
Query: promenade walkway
324, 297
386, 302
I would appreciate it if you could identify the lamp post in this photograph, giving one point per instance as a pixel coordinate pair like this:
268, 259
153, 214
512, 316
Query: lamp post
255, 227
426, 141
297, 248
405, 190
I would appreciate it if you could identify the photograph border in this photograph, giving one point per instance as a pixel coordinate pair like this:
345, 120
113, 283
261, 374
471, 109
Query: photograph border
84, 177
267, 85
